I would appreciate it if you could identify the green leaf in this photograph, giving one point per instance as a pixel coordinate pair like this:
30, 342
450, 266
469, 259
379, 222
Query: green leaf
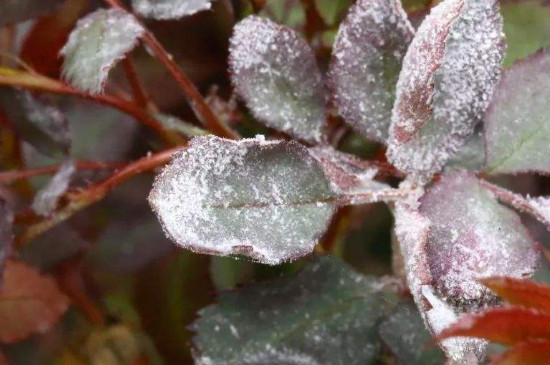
527, 28
219, 196
274, 70
332, 11
367, 57
169, 9
516, 125
99, 40
408, 339
328, 314
15, 11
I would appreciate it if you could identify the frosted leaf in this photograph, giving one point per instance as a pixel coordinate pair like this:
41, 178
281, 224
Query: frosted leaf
348, 174
175, 124
99, 40
15, 11
413, 231
541, 205
46, 199
6, 234
367, 58
169, 9
274, 70
327, 315
448, 77
517, 131
266, 200
471, 155
472, 236
38, 122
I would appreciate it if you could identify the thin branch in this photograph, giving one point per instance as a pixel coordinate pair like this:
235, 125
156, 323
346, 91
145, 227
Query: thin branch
77, 201
140, 95
197, 102
9, 177
42, 83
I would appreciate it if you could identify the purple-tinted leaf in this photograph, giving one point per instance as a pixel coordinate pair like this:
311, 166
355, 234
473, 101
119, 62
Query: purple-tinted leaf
15, 11
169, 9
99, 40
46, 199
446, 82
6, 234
266, 200
367, 58
472, 236
516, 124
274, 70
38, 122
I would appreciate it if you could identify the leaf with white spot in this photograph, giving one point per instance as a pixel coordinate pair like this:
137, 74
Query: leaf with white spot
367, 58
37, 122
274, 70
472, 236
169, 9
99, 40
46, 199
448, 77
15, 11
327, 315
266, 200
6, 234
517, 131
30, 303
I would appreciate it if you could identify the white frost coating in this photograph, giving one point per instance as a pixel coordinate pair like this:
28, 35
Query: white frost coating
367, 56
99, 40
429, 124
541, 205
461, 349
473, 237
169, 9
266, 200
274, 70
46, 199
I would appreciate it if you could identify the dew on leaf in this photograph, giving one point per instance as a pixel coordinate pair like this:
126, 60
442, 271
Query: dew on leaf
169, 9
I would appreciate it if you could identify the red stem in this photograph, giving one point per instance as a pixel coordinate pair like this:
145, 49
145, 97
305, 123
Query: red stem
140, 95
197, 102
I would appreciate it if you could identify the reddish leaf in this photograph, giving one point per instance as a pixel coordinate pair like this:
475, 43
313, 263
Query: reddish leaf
527, 353
30, 303
521, 292
48, 35
506, 326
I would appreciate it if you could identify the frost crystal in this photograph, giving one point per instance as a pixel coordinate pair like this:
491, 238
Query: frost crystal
367, 56
447, 80
96, 44
266, 200
274, 70
169, 9
516, 125
46, 199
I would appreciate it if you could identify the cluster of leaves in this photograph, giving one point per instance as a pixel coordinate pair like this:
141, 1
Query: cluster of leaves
434, 96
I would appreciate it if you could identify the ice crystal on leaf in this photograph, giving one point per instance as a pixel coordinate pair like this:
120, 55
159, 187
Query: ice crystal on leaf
46, 199
516, 124
367, 57
169, 9
266, 200
99, 40
446, 83
274, 70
